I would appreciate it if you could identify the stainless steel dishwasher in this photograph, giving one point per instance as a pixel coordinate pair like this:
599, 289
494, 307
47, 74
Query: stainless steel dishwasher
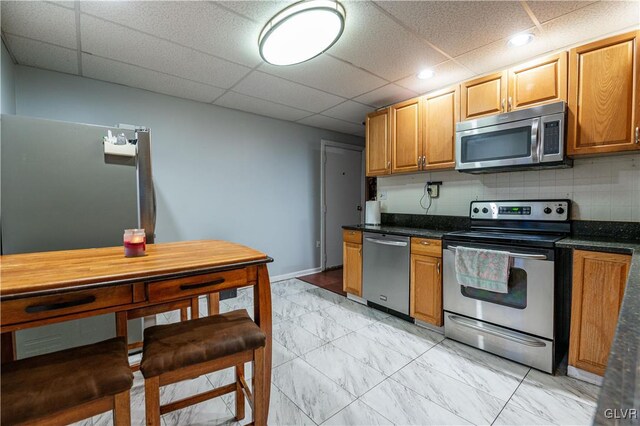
385, 279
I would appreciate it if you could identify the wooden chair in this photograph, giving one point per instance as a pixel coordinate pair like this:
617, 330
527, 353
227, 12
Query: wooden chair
68, 386
189, 349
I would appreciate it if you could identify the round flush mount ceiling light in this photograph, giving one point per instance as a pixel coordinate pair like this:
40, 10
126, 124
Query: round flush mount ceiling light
301, 32
425, 74
520, 39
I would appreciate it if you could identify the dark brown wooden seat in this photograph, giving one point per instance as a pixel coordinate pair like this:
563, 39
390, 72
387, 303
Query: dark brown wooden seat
185, 350
68, 386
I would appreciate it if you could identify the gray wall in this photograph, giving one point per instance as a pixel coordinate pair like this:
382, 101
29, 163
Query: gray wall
7, 84
219, 173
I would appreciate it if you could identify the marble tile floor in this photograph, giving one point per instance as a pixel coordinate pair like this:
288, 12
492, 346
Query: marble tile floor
336, 362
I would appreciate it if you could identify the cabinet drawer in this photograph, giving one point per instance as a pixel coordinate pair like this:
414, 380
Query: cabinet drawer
34, 308
180, 288
426, 246
351, 236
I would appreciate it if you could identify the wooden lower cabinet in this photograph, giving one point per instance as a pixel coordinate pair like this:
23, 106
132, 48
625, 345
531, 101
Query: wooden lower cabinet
352, 265
425, 300
599, 281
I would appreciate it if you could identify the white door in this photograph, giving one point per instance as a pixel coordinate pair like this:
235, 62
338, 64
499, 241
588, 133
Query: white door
343, 197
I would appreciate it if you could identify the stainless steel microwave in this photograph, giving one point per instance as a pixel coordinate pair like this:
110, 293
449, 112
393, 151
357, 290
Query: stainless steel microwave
531, 138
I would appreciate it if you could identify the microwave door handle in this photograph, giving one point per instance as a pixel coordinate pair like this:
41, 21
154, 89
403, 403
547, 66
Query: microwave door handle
535, 140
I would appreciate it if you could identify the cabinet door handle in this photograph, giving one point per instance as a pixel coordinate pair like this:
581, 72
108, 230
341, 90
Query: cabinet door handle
207, 284
33, 309
424, 161
388, 164
637, 134
502, 105
438, 268
509, 104
425, 243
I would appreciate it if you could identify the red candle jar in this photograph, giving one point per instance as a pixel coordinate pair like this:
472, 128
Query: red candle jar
135, 242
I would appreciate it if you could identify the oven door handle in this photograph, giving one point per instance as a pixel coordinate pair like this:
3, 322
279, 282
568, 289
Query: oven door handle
498, 332
518, 255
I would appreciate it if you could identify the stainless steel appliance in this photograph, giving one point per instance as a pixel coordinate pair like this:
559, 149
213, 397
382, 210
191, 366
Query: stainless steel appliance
385, 279
60, 191
531, 138
529, 323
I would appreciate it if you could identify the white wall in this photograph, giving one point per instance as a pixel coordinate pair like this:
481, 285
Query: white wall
604, 188
219, 173
7, 84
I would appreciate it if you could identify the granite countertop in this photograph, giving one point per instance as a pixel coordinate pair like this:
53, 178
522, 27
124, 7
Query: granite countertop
399, 230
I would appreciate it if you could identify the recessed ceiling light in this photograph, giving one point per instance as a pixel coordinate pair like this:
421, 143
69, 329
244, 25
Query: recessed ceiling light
301, 32
520, 39
425, 74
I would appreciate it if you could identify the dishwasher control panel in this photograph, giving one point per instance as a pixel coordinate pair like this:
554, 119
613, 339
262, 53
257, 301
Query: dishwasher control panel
531, 210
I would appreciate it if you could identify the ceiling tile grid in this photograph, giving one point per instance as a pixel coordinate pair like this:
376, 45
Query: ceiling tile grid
40, 21
258, 106
268, 87
207, 51
43, 55
200, 25
133, 76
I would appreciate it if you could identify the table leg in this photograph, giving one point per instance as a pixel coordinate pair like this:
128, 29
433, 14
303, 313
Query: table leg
213, 303
121, 325
7, 347
195, 308
262, 313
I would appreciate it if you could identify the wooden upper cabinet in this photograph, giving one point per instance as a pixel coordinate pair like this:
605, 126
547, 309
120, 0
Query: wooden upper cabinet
378, 144
406, 136
603, 96
441, 112
483, 96
599, 280
425, 302
538, 82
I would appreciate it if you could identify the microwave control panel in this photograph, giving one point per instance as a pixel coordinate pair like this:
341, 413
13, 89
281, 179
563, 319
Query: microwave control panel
545, 210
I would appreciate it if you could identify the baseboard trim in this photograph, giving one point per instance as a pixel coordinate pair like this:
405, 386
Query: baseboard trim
585, 376
302, 273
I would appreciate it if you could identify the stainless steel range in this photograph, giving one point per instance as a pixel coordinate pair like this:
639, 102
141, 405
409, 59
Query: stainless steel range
528, 323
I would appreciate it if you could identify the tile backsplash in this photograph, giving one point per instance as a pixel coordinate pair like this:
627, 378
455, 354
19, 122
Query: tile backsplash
603, 188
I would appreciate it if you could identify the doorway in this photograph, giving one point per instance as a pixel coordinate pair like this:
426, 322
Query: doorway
342, 197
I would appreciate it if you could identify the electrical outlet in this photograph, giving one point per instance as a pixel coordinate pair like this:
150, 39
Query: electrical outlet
434, 189
383, 195
317, 244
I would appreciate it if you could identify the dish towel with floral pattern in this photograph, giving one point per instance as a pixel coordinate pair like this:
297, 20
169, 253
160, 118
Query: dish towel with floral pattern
483, 269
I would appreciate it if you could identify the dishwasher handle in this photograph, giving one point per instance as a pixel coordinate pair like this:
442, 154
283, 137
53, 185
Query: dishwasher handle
387, 242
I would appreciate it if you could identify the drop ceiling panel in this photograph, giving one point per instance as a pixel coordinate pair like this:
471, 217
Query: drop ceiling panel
349, 111
373, 41
446, 73
258, 106
328, 74
546, 10
201, 25
40, 21
259, 11
270, 88
460, 26
570, 29
43, 55
113, 41
386, 95
591, 22
330, 123
130, 75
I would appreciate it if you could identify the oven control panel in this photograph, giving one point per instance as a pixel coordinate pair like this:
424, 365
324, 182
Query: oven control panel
545, 210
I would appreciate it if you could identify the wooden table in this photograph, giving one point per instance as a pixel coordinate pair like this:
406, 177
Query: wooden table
44, 288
